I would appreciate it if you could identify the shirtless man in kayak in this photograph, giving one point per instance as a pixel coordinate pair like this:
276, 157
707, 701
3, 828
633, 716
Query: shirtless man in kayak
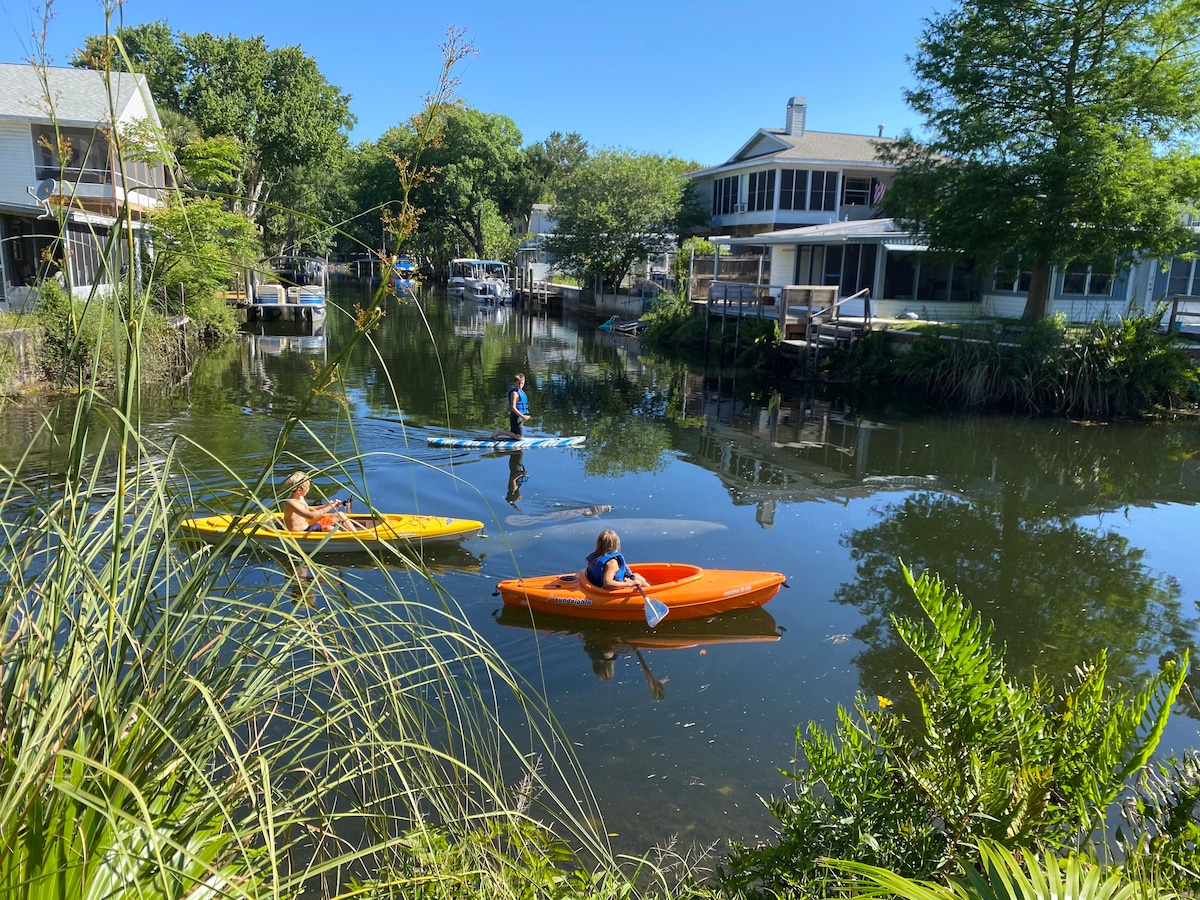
298, 515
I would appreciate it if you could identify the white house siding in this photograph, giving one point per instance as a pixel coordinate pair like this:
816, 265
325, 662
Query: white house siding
134, 111
783, 265
16, 166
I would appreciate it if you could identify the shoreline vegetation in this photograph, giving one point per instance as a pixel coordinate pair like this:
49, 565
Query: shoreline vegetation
1103, 371
176, 730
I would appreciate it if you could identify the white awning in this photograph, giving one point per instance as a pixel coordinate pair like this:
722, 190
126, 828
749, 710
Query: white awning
910, 248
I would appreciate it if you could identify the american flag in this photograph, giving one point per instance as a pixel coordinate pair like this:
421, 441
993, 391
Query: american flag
877, 194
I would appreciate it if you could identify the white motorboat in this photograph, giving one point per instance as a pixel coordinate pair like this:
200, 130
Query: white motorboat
484, 280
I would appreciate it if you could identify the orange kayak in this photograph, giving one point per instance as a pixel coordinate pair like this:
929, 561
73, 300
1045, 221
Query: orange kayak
687, 591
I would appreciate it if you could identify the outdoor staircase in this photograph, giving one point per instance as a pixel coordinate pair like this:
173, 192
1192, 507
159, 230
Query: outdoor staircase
824, 337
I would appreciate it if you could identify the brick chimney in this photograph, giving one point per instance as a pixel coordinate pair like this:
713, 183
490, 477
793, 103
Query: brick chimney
796, 109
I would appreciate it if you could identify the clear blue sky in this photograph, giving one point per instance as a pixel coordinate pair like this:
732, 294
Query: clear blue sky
693, 79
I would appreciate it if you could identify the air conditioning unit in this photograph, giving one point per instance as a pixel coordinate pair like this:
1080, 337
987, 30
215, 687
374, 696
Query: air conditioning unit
739, 207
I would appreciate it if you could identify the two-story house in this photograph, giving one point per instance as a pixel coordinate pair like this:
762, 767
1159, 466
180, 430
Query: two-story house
792, 177
805, 202
62, 187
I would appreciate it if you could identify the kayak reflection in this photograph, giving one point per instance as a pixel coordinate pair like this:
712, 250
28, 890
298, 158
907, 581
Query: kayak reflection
605, 642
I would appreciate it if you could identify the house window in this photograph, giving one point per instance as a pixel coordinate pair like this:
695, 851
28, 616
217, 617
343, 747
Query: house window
824, 191
1087, 281
1182, 279
856, 191
833, 266
762, 191
915, 276
1012, 280
31, 249
78, 155
725, 194
793, 189
899, 276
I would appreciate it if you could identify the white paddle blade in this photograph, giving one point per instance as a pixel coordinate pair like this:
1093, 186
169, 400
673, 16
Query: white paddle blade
656, 611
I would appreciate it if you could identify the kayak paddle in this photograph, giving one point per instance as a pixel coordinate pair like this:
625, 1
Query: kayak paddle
656, 687
656, 610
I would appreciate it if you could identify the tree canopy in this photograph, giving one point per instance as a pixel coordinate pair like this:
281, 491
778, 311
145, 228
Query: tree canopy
274, 102
1059, 133
478, 163
618, 209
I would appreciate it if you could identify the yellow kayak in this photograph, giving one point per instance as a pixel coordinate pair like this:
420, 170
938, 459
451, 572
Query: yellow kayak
266, 531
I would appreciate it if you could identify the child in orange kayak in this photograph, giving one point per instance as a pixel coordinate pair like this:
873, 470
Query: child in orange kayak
606, 566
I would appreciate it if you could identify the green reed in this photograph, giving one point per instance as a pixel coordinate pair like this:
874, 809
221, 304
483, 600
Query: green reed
174, 728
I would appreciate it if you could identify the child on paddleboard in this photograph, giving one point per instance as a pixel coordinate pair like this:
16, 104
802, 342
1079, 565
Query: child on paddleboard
518, 412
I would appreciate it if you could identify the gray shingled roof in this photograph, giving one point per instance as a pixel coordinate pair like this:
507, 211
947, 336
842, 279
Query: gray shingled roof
811, 147
80, 96
827, 145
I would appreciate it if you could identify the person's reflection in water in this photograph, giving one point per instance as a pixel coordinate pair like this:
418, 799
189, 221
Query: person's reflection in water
303, 581
517, 476
603, 655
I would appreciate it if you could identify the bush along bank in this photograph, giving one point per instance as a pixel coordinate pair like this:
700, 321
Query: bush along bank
1103, 371
985, 761
674, 328
88, 339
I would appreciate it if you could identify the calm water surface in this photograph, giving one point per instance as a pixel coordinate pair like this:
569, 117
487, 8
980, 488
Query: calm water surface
1070, 538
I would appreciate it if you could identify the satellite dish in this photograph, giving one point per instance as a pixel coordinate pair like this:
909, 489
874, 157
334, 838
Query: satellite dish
46, 188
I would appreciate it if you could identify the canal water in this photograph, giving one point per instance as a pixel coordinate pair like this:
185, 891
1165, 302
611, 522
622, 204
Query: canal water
1071, 538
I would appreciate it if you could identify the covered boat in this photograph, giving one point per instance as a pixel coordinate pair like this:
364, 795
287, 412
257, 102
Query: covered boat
266, 531
687, 592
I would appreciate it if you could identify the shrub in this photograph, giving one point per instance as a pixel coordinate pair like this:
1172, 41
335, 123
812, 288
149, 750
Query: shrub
1126, 368
1024, 766
90, 339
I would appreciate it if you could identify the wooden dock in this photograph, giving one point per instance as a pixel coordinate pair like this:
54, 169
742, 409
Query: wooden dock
811, 318
538, 294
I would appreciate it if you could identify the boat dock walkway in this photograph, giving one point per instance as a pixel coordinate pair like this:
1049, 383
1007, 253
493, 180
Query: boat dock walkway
811, 318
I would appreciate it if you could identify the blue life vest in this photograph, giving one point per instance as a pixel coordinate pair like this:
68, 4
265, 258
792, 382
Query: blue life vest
522, 401
596, 564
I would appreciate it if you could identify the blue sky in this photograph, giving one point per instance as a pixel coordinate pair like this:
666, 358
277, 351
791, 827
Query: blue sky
693, 79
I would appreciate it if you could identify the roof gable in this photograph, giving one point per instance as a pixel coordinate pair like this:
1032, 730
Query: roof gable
764, 143
78, 96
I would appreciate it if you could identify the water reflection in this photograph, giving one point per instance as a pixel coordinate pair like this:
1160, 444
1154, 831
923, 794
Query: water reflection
1070, 539
1012, 513
517, 476
605, 642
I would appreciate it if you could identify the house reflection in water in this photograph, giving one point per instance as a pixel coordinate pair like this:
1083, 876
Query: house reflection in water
787, 447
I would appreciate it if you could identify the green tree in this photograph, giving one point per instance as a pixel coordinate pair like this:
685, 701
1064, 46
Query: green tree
151, 49
1059, 133
619, 208
198, 249
548, 166
275, 103
479, 166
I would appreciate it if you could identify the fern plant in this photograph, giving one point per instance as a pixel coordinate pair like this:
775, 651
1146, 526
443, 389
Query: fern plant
1003, 874
990, 759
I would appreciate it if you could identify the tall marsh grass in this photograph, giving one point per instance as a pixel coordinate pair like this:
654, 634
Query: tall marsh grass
1107, 370
172, 727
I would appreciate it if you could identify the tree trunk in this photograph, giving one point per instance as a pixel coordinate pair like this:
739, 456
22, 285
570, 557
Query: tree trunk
1037, 301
